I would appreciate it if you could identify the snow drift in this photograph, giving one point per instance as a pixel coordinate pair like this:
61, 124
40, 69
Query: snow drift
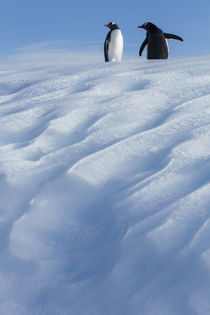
105, 186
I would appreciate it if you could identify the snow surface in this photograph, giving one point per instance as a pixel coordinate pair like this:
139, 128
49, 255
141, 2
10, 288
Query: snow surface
105, 186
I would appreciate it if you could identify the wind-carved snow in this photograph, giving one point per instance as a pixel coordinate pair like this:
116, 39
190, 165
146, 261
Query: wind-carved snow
105, 187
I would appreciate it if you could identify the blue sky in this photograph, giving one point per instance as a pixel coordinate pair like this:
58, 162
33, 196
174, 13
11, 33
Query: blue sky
79, 24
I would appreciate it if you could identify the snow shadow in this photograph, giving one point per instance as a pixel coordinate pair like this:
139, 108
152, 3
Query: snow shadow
71, 229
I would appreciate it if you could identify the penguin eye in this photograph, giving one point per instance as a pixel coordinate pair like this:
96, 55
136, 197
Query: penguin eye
145, 24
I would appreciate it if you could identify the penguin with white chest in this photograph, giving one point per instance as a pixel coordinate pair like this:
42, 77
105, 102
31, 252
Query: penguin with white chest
113, 45
157, 46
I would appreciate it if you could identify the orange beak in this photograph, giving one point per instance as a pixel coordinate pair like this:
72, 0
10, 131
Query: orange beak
106, 25
139, 27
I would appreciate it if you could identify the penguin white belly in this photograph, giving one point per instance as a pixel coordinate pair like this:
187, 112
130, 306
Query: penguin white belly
115, 46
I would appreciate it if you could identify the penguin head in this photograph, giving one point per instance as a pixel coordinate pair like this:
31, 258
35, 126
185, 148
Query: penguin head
112, 26
147, 26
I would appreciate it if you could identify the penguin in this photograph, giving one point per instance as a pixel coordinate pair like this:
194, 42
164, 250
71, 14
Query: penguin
157, 45
113, 45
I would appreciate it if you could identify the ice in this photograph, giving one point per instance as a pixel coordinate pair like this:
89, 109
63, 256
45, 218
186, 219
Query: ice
104, 185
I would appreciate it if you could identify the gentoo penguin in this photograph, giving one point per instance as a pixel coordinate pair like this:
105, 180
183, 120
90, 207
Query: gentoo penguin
157, 46
113, 45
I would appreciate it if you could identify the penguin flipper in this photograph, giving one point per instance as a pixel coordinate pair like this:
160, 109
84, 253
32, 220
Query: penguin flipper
106, 46
172, 36
145, 42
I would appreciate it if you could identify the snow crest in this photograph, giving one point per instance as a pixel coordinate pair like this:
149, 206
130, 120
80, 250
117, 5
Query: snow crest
105, 187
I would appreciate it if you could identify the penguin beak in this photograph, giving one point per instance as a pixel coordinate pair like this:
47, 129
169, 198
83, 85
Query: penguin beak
106, 25
140, 26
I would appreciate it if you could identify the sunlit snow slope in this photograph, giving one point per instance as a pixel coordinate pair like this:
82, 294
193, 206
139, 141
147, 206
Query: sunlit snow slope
104, 186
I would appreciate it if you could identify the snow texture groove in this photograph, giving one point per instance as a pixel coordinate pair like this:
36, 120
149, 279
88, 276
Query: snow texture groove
105, 187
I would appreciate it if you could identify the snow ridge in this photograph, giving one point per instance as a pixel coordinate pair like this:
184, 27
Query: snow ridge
104, 183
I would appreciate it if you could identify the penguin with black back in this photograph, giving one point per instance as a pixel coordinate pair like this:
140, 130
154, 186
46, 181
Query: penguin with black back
113, 45
157, 46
